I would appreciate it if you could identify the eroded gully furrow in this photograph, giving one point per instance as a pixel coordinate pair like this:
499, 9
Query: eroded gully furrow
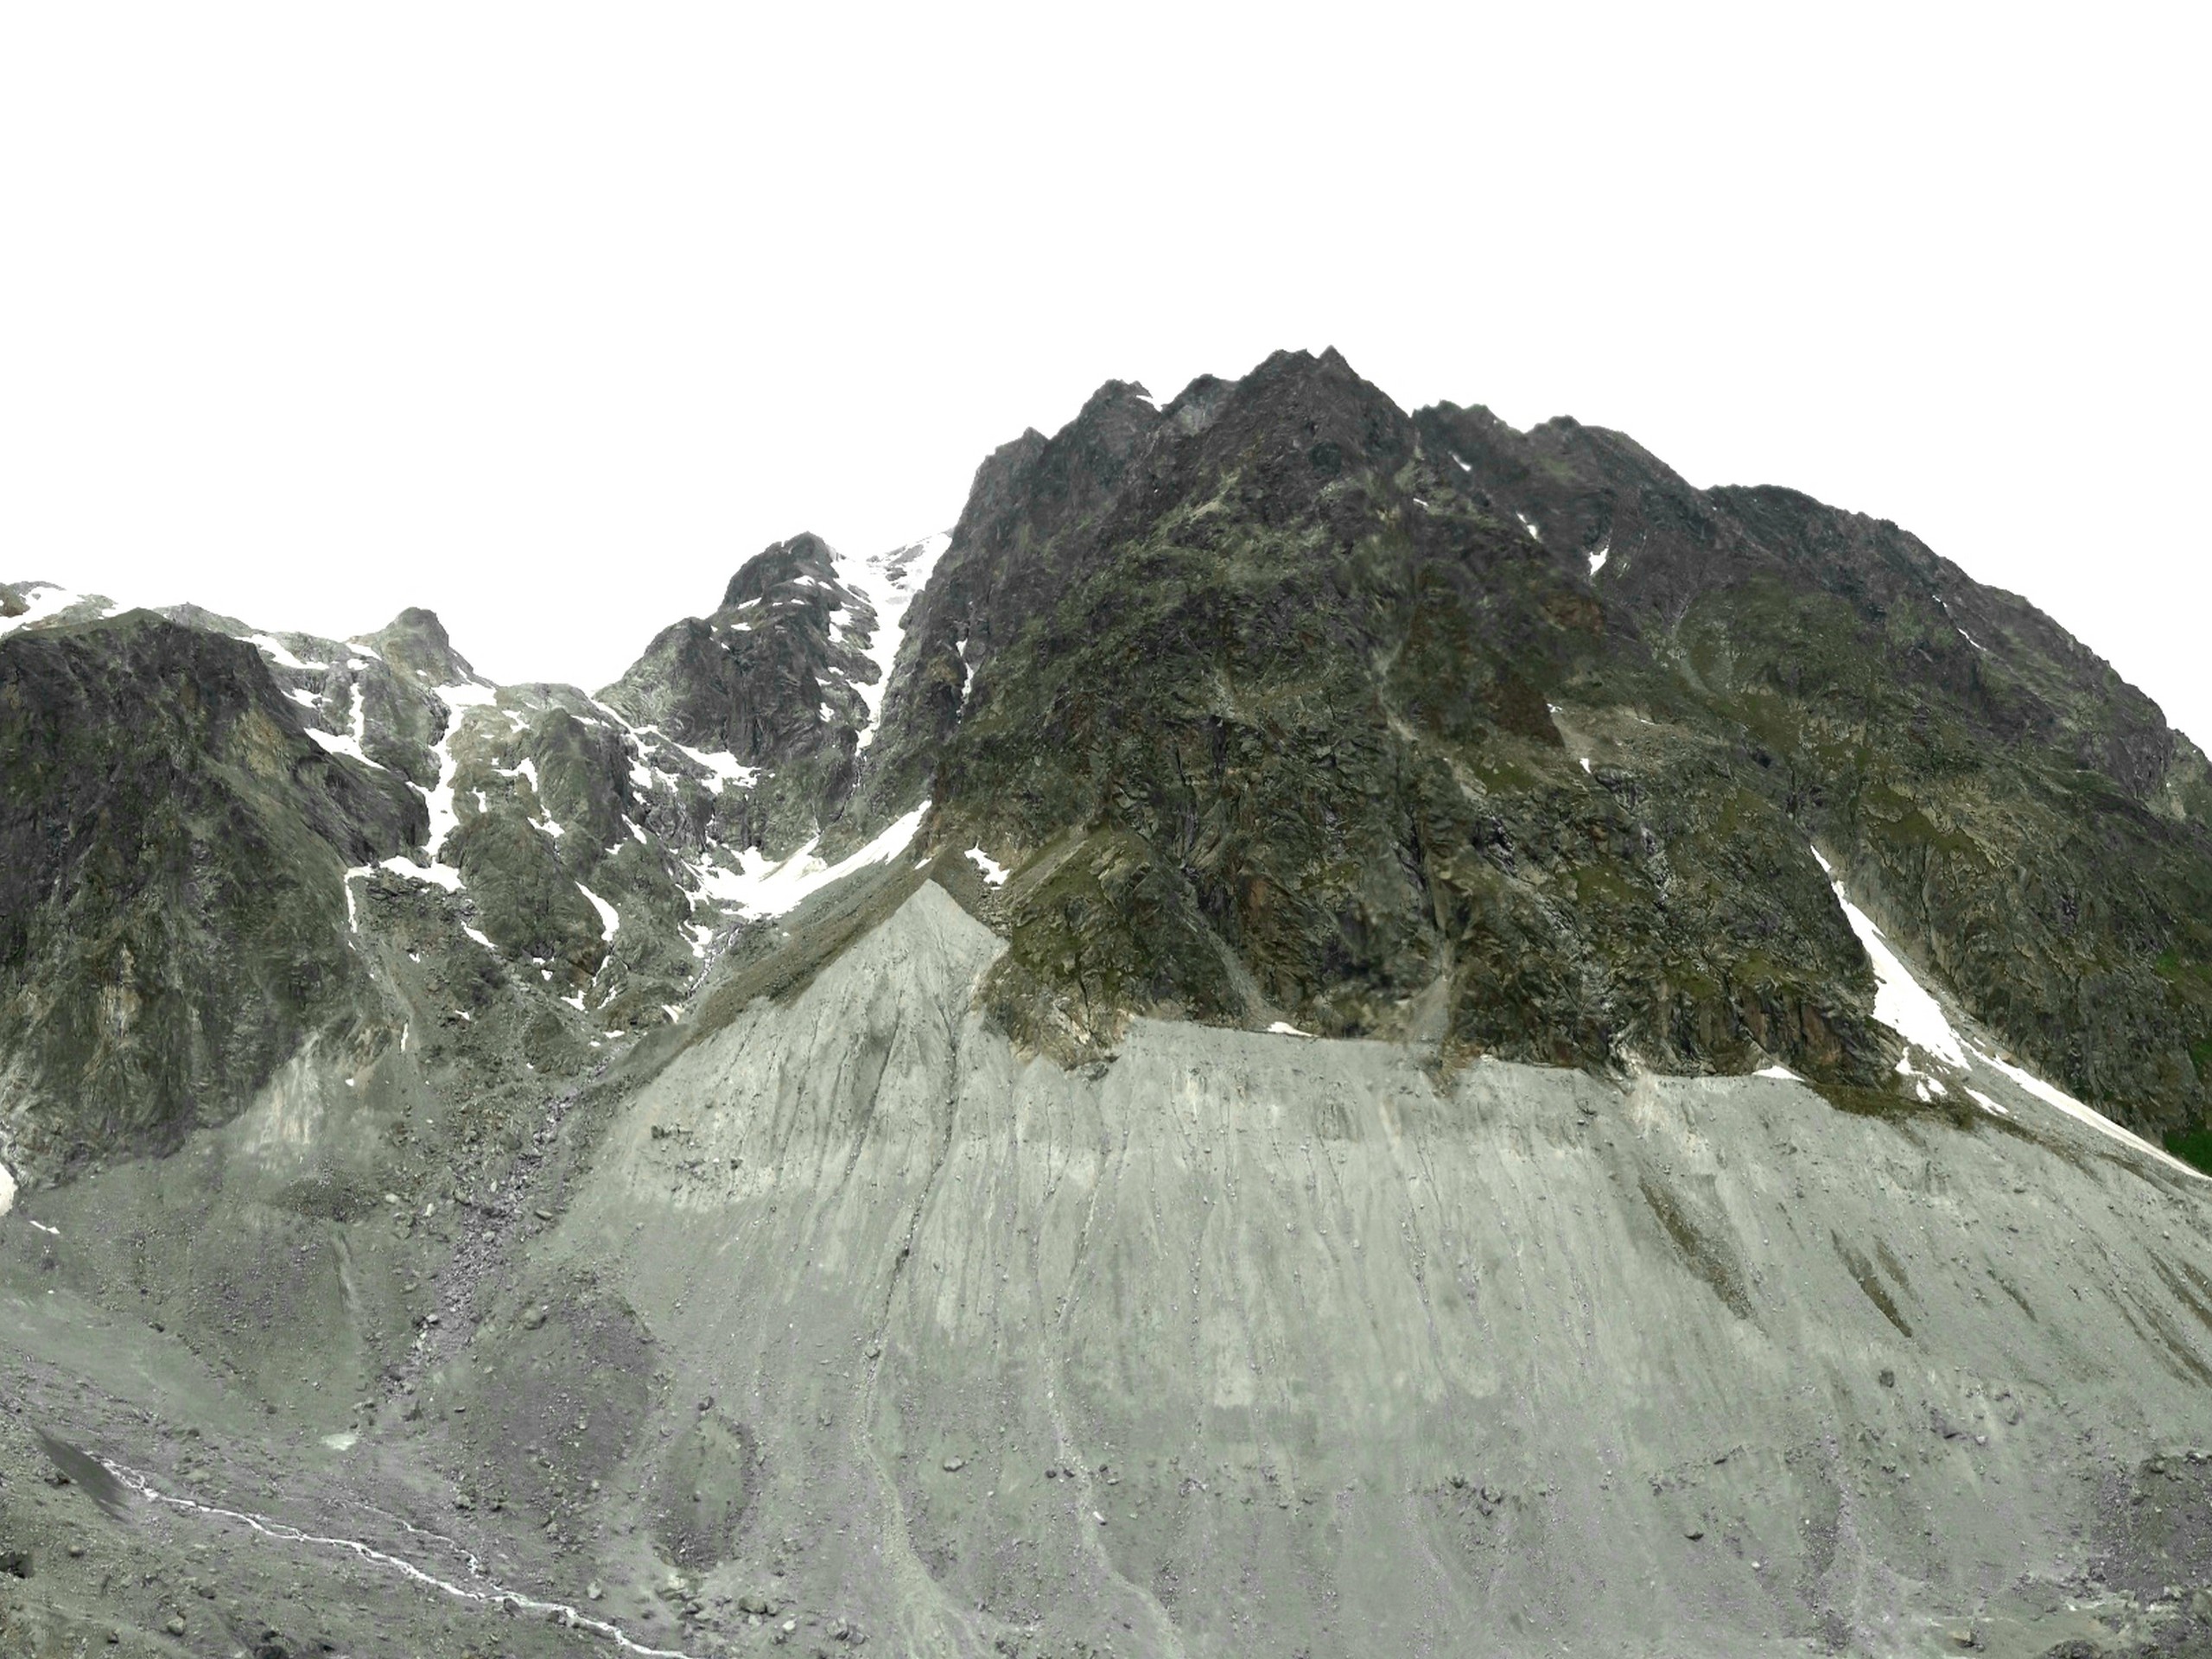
921, 1598
492, 1594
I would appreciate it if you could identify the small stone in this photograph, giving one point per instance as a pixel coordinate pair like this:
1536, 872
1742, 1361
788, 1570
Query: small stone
533, 1318
173, 1623
954, 1466
1695, 1534
592, 1591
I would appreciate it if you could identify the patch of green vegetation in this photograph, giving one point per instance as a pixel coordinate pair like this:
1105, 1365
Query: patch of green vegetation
2193, 1146
1895, 1106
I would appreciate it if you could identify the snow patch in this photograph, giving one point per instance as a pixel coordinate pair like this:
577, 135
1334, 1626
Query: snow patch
1781, 1071
352, 911
444, 820
610, 920
45, 601
476, 935
1900, 1000
993, 872
758, 889
888, 581
1284, 1028
726, 766
434, 875
1527, 524
7, 1189
332, 744
273, 648
1603, 551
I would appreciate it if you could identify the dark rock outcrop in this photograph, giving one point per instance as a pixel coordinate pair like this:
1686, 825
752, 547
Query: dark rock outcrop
172, 915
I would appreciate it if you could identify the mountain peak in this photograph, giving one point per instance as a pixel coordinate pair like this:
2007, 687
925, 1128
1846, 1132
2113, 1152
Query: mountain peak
414, 644
805, 555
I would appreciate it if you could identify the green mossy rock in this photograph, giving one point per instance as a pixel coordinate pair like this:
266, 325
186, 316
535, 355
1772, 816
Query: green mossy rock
173, 919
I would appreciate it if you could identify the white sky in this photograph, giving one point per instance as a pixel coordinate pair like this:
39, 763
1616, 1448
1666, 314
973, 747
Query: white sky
547, 316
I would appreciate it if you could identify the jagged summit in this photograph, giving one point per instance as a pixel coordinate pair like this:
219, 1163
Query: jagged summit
414, 644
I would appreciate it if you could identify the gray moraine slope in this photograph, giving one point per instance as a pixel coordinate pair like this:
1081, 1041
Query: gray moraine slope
1239, 1344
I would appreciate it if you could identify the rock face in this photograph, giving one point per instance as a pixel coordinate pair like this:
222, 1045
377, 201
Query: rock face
1287, 704
786, 676
1324, 1030
2016, 813
172, 921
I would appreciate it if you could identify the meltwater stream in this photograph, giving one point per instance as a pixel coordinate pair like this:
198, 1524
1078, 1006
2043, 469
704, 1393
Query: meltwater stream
491, 1595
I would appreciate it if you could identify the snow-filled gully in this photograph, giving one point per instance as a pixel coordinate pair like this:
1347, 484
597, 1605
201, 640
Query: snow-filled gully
1909, 1008
492, 1595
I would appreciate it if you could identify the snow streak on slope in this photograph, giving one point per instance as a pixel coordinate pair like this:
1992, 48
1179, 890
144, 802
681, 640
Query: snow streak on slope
2051, 1094
7, 1189
444, 820
1903, 1004
610, 920
888, 581
1900, 1001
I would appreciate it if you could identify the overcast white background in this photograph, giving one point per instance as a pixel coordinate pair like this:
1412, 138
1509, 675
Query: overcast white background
547, 316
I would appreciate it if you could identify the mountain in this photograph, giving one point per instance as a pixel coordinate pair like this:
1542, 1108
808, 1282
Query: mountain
1321, 1030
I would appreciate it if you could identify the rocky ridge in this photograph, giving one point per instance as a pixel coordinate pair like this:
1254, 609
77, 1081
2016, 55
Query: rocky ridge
1276, 704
